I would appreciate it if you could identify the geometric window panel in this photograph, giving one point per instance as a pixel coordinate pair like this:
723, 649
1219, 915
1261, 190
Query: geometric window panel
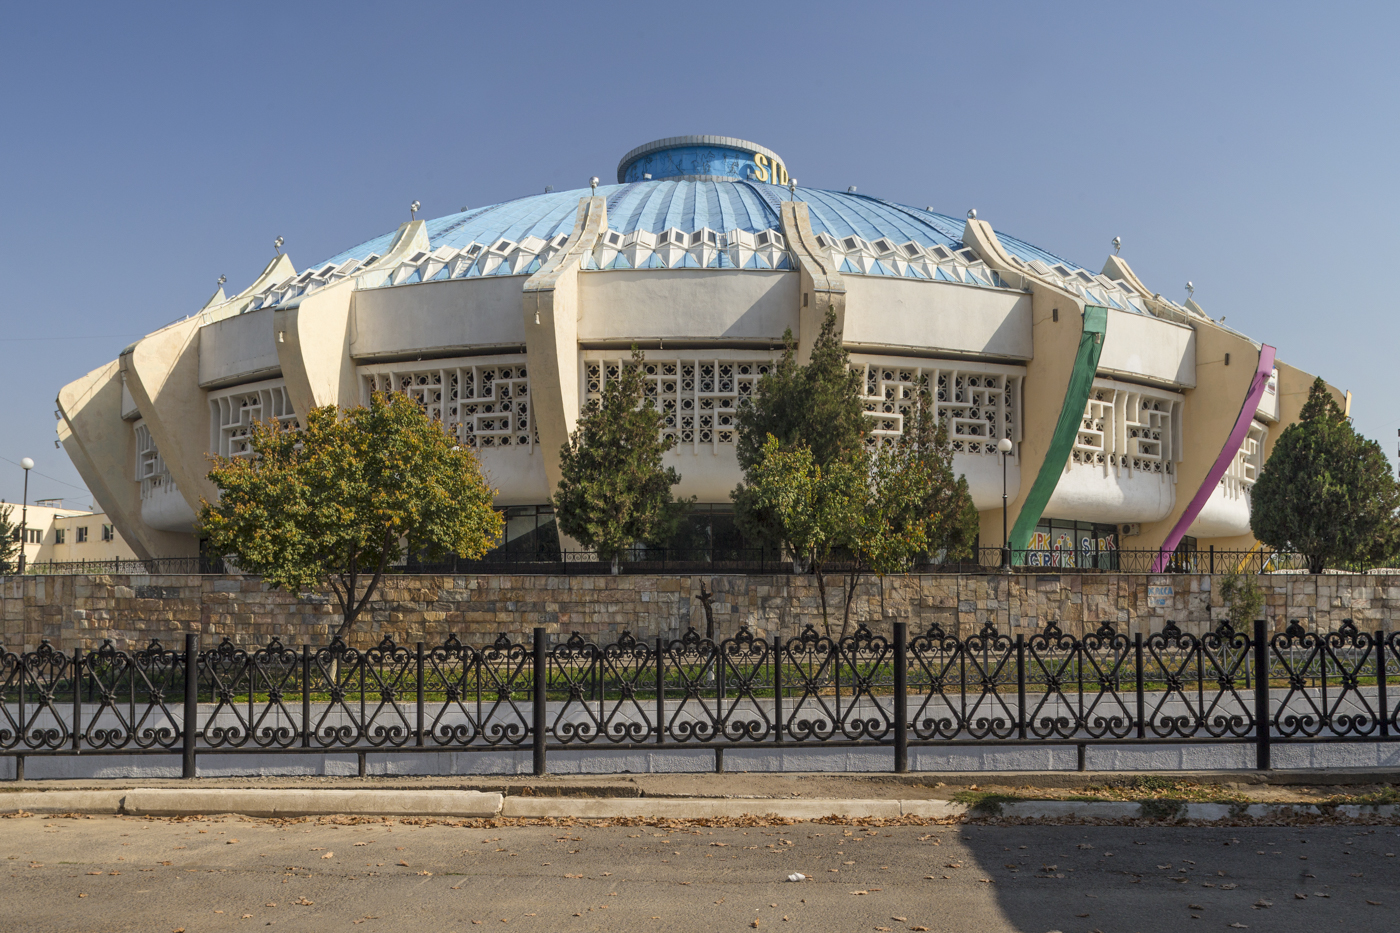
483, 405
151, 471
1128, 428
1243, 471
977, 407
698, 399
233, 413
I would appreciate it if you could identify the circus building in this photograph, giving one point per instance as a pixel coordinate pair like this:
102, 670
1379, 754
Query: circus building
1134, 421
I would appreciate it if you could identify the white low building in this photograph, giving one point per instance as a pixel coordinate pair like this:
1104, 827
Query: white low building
53, 534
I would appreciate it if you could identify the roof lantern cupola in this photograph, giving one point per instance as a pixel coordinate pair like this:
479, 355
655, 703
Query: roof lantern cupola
702, 158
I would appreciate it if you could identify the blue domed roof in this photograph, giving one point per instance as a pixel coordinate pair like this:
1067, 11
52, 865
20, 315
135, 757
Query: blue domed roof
722, 206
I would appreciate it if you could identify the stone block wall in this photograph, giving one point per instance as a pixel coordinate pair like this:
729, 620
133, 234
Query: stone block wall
132, 610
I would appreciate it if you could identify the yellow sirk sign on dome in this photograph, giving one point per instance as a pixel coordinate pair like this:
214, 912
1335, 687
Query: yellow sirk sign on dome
766, 169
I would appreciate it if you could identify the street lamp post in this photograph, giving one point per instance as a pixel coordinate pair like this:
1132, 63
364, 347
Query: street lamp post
1004, 447
27, 465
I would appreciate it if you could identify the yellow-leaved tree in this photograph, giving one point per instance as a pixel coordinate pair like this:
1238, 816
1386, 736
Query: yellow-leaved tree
335, 502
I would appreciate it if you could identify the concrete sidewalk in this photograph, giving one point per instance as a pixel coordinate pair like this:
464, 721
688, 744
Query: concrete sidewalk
284, 803
1208, 796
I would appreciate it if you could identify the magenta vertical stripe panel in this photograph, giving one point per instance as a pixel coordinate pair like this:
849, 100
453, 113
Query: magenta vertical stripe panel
1222, 462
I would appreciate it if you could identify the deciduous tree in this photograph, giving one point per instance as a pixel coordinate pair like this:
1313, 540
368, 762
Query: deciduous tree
334, 502
811, 507
913, 503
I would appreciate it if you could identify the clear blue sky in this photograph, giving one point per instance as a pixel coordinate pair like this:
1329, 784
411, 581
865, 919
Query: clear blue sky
150, 148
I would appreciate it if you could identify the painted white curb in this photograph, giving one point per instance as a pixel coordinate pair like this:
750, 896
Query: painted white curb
62, 801
695, 808
267, 803
285, 802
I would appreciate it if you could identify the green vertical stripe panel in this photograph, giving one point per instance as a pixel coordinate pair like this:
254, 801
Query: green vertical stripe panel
1081, 382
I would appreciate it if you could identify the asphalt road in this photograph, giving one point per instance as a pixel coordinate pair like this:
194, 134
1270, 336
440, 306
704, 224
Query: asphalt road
200, 876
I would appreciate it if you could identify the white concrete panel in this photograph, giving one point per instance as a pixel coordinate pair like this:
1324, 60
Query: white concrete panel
86, 767
1268, 403
992, 758
437, 318
506, 761
516, 473
163, 507
886, 312
616, 761
275, 764
1097, 494
1336, 755
708, 304
709, 473
754, 758
1143, 347
1223, 515
129, 410
238, 349
772, 758
1168, 757
984, 478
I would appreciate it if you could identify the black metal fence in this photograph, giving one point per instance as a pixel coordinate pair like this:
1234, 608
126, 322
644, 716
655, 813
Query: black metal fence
762, 561
159, 565
932, 688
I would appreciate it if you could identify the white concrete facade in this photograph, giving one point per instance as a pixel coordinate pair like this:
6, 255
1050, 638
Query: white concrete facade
506, 338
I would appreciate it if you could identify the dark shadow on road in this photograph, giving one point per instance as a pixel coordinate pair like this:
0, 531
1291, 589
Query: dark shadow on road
1156, 879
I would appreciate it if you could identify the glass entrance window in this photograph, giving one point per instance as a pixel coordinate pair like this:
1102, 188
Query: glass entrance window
530, 533
1073, 545
708, 532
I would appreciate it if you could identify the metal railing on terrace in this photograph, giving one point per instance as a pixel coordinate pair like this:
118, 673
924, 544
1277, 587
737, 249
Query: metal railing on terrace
766, 561
928, 688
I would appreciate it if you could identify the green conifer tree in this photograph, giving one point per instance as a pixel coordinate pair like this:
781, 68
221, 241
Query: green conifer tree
9, 540
1326, 492
613, 490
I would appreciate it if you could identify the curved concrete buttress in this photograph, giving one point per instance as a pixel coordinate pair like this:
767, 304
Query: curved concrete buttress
1208, 417
1264, 364
102, 447
162, 374
1117, 268
551, 308
314, 337
1207, 424
1293, 387
822, 286
1055, 344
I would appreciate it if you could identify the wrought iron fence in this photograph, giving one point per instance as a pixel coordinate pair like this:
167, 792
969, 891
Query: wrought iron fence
157, 565
763, 561
811, 690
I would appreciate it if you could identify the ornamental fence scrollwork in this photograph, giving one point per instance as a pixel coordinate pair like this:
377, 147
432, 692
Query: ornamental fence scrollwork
133, 692
1324, 673
961, 687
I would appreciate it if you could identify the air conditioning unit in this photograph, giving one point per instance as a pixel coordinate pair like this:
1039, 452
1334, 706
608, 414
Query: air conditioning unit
1129, 531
